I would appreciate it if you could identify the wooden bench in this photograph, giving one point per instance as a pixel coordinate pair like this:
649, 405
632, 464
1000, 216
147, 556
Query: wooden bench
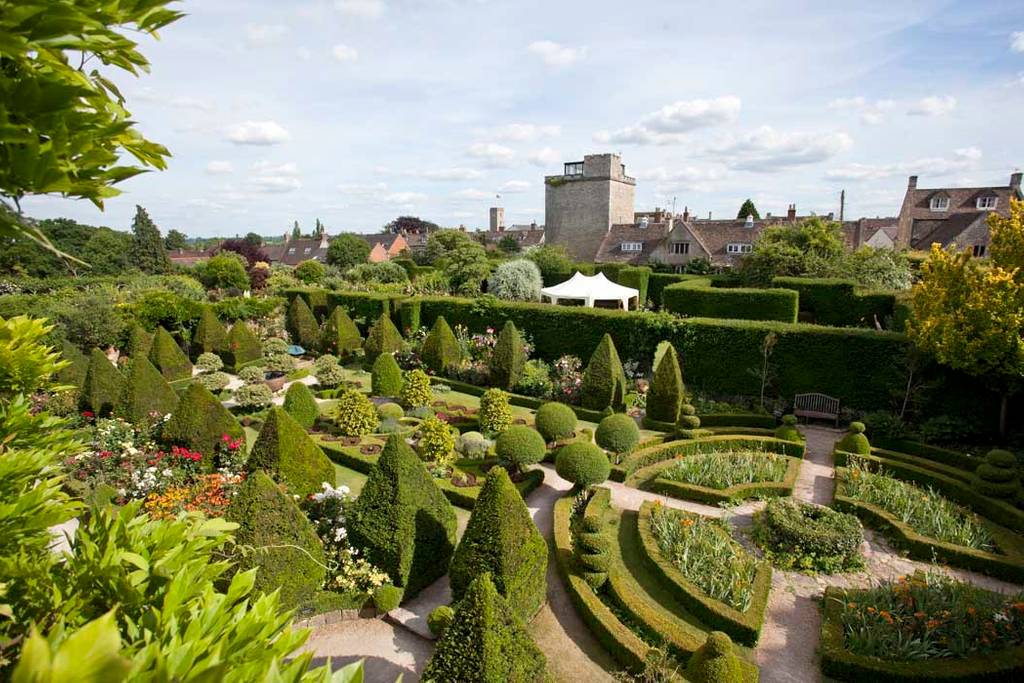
818, 406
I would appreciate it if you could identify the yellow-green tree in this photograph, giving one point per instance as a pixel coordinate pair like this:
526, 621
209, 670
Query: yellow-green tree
971, 317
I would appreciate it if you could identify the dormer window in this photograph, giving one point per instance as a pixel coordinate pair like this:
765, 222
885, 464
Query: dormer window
291, 250
940, 203
307, 250
632, 246
739, 248
987, 203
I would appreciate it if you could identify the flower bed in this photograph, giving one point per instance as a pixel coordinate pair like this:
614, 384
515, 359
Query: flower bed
925, 627
628, 471
655, 479
807, 537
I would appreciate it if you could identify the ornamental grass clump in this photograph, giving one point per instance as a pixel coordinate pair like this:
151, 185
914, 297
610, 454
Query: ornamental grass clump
722, 469
810, 538
703, 551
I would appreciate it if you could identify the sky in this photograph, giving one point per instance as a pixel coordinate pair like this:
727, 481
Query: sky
357, 111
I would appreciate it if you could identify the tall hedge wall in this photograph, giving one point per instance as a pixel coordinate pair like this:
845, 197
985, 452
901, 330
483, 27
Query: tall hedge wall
699, 298
839, 302
365, 305
657, 283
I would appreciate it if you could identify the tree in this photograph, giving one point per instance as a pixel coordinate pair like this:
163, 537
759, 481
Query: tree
509, 245
518, 280
147, 251
604, 381
310, 272
811, 247
748, 209
467, 267
441, 242
224, 271
175, 239
251, 253
552, 259
254, 239
296, 231
347, 250
107, 252
410, 225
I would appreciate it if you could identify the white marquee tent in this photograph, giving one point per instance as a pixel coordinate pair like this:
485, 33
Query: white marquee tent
590, 289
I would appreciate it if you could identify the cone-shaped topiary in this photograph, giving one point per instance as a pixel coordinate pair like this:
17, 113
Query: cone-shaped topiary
583, 464
139, 342
403, 522
715, 661
667, 393
502, 539
200, 423
285, 452
339, 335
555, 421
301, 324
386, 376
604, 382
210, 336
495, 412
617, 433
787, 431
997, 476
855, 441
243, 346
78, 365
519, 446
300, 403
286, 549
103, 385
441, 349
383, 337
168, 357
486, 642
145, 391
508, 358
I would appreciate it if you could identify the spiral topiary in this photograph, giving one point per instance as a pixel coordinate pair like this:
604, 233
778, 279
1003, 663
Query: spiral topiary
582, 464
518, 447
715, 661
592, 548
617, 433
355, 414
555, 421
997, 476
855, 441
416, 389
688, 417
787, 431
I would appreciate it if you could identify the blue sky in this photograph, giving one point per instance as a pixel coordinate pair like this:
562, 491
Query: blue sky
356, 111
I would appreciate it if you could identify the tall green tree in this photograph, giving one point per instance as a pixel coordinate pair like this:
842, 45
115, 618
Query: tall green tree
148, 252
175, 240
296, 231
748, 209
347, 250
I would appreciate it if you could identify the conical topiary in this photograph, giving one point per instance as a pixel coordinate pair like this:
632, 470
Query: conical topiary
284, 545
102, 387
145, 392
604, 382
339, 335
403, 522
508, 358
855, 440
139, 342
997, 476
285, 451
168, 357
386, 376
486, 641
243, 346
210, 336
383, 337
301, 324
300, 403
666, 393
502, 539
441, 349
200, 423
715, 661
78, 365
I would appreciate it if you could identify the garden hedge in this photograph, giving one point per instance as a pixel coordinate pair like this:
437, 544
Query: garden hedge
938, 454
752, 420
145, 391
646, 457
648, 480
699, 298
743, 626
367, 306
286, 452
103, 385
200, 422
243, 347
210, 335
839, 303
637, 277
657, 283
339, 335
300, 403
78, 365
168, 357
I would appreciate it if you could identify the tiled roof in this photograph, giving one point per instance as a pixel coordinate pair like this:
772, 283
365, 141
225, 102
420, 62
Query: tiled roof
294, 252
943, 231
650, 238
384, 238
922, 226
526, 238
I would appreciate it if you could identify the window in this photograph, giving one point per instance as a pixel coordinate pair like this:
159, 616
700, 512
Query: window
574, 168
987, 202
739, 248
979, 250
940, 203
632, 246
291, 250
307, 250
680, 247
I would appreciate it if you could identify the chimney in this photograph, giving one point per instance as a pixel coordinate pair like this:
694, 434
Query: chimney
749, 223
1015, 180
791, 212
912, 182
686, 214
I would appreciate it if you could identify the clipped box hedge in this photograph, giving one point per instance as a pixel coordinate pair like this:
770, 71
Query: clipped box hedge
929, 452
366, 305
743, 627
646, 457
516, 399
699, 298
839, 302
755, 420
648, 479
838, 662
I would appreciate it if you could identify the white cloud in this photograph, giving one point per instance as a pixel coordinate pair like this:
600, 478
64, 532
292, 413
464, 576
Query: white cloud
288, 168
667, 125
544, 157
344, 53
175, 101
362, 189
1017, 41
766, 149
304, 53
847, 103
557, 55
514, 186
871, 113
492, 154
695, 178
962, 159
262, 35
932, 106
219, 167
472, 193
367, 9
405, 197
449, 174
258, 133
522, 132
275, 177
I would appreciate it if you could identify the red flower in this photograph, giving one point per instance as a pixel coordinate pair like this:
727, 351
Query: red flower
88, 414
225, 438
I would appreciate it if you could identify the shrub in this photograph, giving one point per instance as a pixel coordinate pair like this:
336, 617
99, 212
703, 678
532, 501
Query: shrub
535, 380
328, 371
485, 642
715, 661
582, 464
473, 445
884, 425
518, 447
416, 389
604, 382
502, 540
284, 451
274, 346
403, 522
386, 376
617, 433
439, 619
667, 393
301, 324
252, 374
441, 349
243, 346
200, 423
387, 597
437, 443
285, 547
383, 337
855, 441
495, 412
997, 476
253, 396
943, 429
384, 272
340, 335
145, 392
139, 342
213, 381
508, 358
787, 431
168, 357
310, 272
210, 336
300, 403
592, 551
699, 298
279, 363
355, 414
209, 362
688, 419
555, 421
390, 411
516, 280
806, 537
103, 385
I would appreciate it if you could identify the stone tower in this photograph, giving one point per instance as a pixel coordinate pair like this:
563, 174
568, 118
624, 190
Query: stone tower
582, 204
497, 218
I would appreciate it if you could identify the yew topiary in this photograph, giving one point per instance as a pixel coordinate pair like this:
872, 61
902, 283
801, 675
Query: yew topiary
383, 337
555, 421
209, 362
301, 324
441, 349
390, 411
139, 342
168, 357
617, 433
200, 423
145, 392
103, 385
243, 346
519, 446
386, 376
285, 452
416, 391
495, 412
997, 477
210, 335
508, 358
787, 431
355, 414
666, 393
300, 403
583, 464
715, 661
604, 382
855, 440
439, 619
340, 335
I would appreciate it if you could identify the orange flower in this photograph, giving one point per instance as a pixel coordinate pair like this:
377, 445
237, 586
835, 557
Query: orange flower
885, 615
972, 611
871, 610
919, 615
933, 623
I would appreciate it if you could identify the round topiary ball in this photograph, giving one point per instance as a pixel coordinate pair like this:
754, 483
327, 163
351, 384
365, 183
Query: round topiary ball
618, 433
855, 441
583, 464
555, 421
390, 411
439, 619
787, 431
520, 446
1000, 458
